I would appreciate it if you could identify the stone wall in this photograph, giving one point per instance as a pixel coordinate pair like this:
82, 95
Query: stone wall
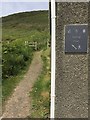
71, 69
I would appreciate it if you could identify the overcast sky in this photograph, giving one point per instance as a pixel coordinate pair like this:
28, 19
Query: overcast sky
8, 8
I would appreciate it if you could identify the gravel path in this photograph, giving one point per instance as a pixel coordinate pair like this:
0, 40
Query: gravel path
18, 106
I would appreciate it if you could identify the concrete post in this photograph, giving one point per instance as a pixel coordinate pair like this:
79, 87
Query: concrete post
71, 69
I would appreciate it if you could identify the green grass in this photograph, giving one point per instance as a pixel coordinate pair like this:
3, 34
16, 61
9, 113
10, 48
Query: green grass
41, 90
24, 25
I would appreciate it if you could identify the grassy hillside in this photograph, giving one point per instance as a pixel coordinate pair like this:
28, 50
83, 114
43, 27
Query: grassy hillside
24, 25
18, 29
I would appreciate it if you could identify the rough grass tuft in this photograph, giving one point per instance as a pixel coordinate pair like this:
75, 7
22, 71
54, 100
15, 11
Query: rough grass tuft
41, 90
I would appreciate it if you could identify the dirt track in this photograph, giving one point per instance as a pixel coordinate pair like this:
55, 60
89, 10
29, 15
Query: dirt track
18, 106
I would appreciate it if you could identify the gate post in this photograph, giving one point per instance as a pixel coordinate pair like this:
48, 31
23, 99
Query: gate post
72, 45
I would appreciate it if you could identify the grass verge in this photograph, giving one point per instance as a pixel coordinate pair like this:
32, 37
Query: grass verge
41, 90
9, 84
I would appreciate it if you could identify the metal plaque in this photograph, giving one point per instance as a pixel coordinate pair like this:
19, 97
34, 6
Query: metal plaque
76, 38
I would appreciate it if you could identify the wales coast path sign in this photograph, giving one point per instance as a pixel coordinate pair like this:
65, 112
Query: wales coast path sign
76, 38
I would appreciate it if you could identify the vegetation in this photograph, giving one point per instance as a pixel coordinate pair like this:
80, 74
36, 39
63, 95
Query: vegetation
41, 90
15, 55
19, 29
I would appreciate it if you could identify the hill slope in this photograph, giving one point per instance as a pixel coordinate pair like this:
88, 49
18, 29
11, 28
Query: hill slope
21, 25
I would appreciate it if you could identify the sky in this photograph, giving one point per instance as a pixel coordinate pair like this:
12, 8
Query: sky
8, 8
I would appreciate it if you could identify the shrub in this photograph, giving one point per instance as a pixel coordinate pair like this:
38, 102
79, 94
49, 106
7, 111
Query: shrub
15, 58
